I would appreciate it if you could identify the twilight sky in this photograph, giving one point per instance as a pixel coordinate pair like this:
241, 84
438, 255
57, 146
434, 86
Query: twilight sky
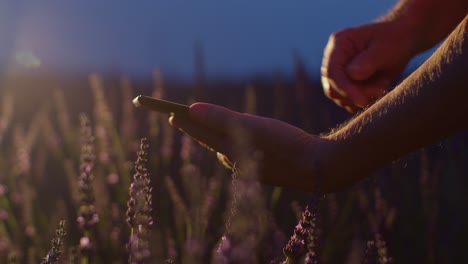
238, 36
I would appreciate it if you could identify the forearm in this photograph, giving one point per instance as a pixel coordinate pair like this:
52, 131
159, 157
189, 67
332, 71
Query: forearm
428, 21
428, 106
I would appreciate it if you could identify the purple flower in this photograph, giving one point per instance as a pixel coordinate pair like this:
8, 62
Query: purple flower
139, 208
87, 215
304, 239
57, 242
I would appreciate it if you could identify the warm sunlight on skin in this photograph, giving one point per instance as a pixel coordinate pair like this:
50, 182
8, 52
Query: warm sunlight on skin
27, 59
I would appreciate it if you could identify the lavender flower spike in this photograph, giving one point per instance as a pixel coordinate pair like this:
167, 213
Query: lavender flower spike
139, 209
304, 239
87, 215
57, 242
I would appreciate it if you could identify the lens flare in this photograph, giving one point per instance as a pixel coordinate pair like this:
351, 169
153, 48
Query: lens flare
27, 59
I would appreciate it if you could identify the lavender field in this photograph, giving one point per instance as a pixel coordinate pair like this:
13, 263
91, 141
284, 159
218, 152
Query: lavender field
87, 178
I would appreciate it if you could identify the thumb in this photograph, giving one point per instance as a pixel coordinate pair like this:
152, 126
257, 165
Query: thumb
365, 64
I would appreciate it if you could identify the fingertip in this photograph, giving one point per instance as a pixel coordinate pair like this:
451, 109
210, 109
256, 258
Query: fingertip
351, 109
178, 121
199, 110
358, 98
361, 103
338, 102
199, 106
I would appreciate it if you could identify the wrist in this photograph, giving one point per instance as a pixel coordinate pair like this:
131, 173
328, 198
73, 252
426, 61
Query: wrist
332, 166
345, 161
411, 29
426, 22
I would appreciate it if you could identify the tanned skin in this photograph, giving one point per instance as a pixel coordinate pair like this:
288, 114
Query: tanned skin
426, 107
360, 63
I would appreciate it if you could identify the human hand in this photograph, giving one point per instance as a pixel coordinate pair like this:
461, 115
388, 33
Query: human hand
360, 63
285, 155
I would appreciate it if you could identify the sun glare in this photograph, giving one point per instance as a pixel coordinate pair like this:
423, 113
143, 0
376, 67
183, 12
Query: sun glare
27, 59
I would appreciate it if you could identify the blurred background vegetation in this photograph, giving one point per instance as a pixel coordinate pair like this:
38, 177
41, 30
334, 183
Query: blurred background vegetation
414, 204
58, 119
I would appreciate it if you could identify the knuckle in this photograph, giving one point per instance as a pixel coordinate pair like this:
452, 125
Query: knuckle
335, 36
328, 71
339, 35
328, 92
325, 83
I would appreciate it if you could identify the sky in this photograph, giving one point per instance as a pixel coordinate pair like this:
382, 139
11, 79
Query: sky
238, 37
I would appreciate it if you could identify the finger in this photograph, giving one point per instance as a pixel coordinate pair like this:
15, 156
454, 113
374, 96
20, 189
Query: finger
223, 129
371, 91
205, 136
347, 105
342, 85
376, 87
234, 126
329, 91
365, 64
214, 140
352, 109
334, 76
335, 87
334, 95
214, 116
341, 101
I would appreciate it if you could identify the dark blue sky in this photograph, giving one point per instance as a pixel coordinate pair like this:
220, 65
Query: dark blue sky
239, 37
